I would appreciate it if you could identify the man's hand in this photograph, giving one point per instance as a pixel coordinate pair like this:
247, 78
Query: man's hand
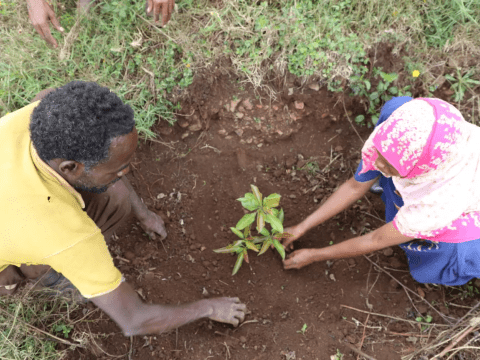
297, 232
227, 310
165, 7
153, 224
299, 259
40, 13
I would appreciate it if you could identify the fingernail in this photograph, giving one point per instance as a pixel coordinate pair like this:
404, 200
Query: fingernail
62, 29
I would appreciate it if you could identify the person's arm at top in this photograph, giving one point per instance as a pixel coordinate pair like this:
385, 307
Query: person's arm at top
341, 199
40, 14
383, 237
134, 317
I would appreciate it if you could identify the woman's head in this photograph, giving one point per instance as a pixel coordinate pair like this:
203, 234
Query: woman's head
417, 138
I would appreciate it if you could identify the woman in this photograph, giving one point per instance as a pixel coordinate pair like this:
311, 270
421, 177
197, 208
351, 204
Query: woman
427, 158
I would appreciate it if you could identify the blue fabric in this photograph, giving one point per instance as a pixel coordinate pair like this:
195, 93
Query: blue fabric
429, 262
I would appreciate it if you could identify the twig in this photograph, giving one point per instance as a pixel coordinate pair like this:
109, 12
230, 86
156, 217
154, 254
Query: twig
156, 28
34, 328
351, 123
393, 317
407, 289
359, 352
248, 322
455, 342
130, 352
162, 143
407, 334
363, 336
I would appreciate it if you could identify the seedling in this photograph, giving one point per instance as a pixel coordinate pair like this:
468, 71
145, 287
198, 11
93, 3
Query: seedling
263, 212
427, 319
461, 83
303, 330
337, 356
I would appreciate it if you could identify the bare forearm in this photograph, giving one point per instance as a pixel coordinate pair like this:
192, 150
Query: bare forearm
381, 238
139, 209
340, 200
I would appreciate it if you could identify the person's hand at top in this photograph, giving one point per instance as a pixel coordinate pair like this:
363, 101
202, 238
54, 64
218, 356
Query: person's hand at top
164, 7
40, 14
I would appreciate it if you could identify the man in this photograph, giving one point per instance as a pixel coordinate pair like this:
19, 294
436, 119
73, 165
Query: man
41, 13
63, 162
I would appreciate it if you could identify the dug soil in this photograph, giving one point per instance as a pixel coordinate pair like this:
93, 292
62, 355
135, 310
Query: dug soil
301, 145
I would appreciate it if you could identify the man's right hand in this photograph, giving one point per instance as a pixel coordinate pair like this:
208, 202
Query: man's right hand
227, 310
296, 232
40, 14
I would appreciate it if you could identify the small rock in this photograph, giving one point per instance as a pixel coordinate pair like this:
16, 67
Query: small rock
351, 262
205, 292
422, 308
222, 132
239, 132
338, 148
290, 91
290, 161
351, 339
260, 145
129, 255
206, 263
299, 105
388, 252
185, 135
243, 339
192, 236
314, 86
183, 123
259, 106
249, 140
292, 196
421, 292
214, 262
277, 173
332, 277
301, 163
233, 104
275, 107
149, 276
239, 115
165, 130
247, 104
294, 116
195, 127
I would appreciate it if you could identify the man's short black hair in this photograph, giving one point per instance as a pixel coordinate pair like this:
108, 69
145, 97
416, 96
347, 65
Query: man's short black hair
78, 122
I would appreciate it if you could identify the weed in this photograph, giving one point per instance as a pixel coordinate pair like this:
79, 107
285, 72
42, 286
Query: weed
302, 330
461, 83
426, 319
264, 211
337, 356
257, 120
311, 167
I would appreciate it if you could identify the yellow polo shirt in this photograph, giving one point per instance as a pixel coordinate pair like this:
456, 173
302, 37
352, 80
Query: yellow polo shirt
42, 221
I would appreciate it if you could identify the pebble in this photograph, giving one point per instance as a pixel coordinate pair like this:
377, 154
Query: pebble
247, 104
129, 255
195, 127
338, 148
314, 86
222, 132
388, 252
290, 161
243, 339
239, 132
299, 105
183, 123
239, 115
233, 105
185, 135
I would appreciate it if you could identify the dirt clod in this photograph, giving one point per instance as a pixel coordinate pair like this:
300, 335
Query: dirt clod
299, 105
388, 252
129, 255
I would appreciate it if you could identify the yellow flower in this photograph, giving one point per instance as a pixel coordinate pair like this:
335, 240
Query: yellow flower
188, 65
415, 73
395, 13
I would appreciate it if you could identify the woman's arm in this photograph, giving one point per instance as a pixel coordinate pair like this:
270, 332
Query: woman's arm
346, 195
381, 238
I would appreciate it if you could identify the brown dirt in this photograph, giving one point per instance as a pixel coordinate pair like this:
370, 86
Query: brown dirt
192, 175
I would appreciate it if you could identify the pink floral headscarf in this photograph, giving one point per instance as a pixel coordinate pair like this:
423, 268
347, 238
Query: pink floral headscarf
437, 154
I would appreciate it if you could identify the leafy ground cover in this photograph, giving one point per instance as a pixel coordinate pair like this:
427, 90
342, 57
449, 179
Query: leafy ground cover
272, 51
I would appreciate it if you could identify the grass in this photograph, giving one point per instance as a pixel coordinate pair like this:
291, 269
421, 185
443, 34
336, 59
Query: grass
269, 43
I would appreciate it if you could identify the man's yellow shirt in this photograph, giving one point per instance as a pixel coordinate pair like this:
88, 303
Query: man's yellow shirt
42, 219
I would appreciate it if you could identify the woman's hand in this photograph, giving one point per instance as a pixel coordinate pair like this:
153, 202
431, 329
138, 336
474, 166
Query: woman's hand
296, 232
299, 259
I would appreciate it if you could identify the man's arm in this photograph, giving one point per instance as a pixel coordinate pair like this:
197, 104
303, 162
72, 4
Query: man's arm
150, 222
383, 237
135, 317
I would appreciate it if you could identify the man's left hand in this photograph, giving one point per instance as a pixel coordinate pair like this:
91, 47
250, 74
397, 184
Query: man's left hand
153, 224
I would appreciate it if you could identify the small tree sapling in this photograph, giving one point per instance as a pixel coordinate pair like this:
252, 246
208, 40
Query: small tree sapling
264, 211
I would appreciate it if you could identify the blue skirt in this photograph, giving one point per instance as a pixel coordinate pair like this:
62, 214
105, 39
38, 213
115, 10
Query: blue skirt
429, 262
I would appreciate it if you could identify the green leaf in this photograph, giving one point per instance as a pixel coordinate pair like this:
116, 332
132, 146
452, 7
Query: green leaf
368, 85
237, 232
282, 236
261, 221
238, 263
250, 245
249, 202
245, 221
374, 119
279, 248
265, 246
419, 319
275, 222
246, 232
257, 193
272, 200
389, 77
428, 318
281, 216
393, 90
359, 119
228, 249
265, 232
373, 95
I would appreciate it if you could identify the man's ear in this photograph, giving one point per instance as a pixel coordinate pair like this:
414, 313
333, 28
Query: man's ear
71, 170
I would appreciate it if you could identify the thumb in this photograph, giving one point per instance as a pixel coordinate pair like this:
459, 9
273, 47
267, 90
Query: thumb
55, 21
152, 235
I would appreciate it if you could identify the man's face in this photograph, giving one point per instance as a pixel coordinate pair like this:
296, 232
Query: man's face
99, 178
385, 167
